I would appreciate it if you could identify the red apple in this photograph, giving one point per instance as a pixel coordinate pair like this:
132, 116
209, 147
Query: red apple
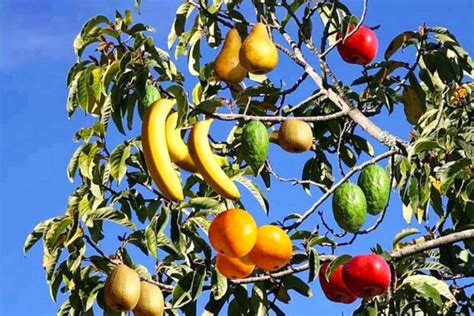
359, 48
366, 275
335, 290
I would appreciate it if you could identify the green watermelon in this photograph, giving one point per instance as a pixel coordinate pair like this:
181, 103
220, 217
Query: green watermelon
375, 183
349, 207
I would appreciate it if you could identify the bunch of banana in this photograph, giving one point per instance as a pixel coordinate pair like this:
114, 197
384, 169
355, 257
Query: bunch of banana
163, 145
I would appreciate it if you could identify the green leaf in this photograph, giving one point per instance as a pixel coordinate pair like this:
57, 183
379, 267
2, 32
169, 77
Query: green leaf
37, 233
256, 191
362, 144
72, 102
188, 288
109, 74
219, 284
347, 156
401, 40
430, 287
83, 89
424, 144
195, 53
110, 214
336, 263
74, 162
403, 234
150, 235
151, 95
407, 212
202, 203
448, 172
117, 161
54, 231
181, 101
295, 283
183, 11
314, 265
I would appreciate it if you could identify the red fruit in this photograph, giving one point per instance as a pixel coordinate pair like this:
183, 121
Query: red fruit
366, 275
335, 290
359, 48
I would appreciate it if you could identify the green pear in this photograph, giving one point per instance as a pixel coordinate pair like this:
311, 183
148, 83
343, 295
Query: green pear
151, 302
122, 289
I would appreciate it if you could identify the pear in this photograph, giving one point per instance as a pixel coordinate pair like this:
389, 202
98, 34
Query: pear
151, 302
122, 289
258, 53
227, 65
295, 136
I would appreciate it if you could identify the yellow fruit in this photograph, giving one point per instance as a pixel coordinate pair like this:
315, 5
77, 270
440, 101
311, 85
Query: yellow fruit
155, 150
414, 104
273, 248
233, 233
151, 302
178, 150
234, 268
207, 164
227, 65
295, 136
258, 53
122, 289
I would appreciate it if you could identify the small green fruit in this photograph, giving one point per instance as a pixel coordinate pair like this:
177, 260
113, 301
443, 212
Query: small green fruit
375, 184
255, 143
349, 207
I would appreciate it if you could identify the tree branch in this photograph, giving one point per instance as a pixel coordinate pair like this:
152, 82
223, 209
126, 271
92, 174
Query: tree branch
245, 117
373, 130
435, 243
407, 251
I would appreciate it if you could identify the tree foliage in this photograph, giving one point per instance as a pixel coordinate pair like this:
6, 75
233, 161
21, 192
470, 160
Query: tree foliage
120, 71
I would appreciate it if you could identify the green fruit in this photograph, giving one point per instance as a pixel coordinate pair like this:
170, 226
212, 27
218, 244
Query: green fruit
349, 207
375, 184
255, 142
122, 289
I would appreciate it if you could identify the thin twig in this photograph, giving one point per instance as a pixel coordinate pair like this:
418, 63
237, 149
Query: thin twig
323, 198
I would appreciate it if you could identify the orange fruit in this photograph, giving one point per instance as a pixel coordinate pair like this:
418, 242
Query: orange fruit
273, 248
233, 233
234, 268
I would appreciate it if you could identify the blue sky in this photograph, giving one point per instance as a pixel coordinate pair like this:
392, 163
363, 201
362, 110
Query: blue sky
36, 137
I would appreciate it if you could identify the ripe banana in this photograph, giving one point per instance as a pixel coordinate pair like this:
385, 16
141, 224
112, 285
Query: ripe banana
155, 150
178, 150
206, 163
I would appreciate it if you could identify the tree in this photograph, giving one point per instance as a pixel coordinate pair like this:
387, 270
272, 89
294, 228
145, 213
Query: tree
125, 73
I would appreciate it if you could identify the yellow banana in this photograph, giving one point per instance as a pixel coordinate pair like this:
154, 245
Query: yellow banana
155, 150
206, 163
178, 150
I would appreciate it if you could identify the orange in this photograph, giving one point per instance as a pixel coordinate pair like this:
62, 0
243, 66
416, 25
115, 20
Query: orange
234, 268
273, 248
233, 233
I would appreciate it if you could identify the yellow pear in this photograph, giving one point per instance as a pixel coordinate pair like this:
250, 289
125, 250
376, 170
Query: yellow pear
151, 302
122, 289
295, 136
258, 53
227, 65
